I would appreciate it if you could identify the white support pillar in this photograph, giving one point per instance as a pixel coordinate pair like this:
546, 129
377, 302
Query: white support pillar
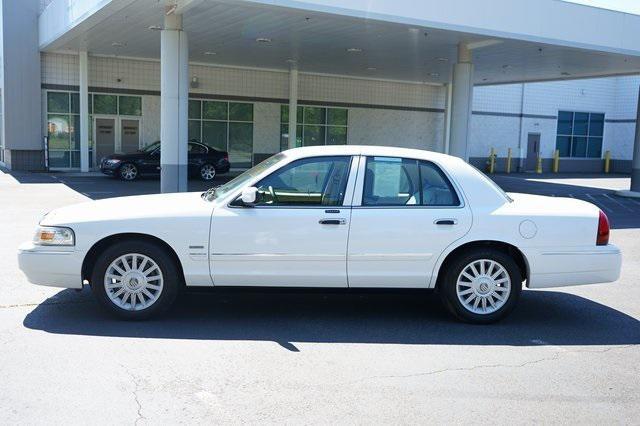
461, 99
174, 102
635, 165
84, 111
293, 105
635, 162
446, 131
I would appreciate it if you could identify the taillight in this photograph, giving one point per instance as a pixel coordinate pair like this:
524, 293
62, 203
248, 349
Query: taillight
603, 230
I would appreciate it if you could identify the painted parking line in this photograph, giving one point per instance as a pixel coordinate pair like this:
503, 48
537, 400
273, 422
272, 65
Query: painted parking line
617, 202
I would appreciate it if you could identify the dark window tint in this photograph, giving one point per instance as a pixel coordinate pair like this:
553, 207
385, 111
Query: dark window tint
130, 105
195, 148
319, 181
57, 102
105, 104
436, 188
240, 111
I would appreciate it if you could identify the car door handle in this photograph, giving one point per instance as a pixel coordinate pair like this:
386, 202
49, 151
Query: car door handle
446, 222
332, 221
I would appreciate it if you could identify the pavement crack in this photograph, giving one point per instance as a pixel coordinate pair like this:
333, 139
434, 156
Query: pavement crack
554, 357
136, 383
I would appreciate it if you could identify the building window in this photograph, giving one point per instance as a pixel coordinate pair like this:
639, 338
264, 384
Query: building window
316, 126
225, 126
63, 123
580, 134
63, 130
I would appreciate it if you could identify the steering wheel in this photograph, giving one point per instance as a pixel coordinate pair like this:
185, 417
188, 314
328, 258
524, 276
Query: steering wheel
273, 194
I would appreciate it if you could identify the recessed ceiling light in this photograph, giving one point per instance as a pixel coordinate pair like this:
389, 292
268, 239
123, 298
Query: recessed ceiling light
263, 40
434, 74
354, 50
372, 69
154, 27
209, 53
118, 44
442, 59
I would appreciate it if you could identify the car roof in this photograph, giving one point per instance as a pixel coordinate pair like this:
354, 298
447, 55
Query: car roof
370, 150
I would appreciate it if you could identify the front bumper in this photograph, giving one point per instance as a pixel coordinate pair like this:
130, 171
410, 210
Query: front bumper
559, 268
50, 266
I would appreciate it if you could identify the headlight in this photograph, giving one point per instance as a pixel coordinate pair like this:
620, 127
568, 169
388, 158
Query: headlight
112, 161
54, 236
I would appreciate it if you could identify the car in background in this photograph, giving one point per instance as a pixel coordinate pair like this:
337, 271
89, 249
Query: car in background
204, 162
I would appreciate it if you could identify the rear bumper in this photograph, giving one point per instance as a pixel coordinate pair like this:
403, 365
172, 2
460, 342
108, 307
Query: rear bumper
223, 166
575, 267
50, 266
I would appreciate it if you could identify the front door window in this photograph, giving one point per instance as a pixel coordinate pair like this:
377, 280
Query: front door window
319, 181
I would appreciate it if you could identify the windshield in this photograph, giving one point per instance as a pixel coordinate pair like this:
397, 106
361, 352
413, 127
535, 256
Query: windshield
152, 147
242, 179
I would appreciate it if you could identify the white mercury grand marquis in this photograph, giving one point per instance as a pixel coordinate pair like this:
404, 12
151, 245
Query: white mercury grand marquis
330, 216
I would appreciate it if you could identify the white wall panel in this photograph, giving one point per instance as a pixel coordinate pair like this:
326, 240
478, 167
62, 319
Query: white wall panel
411, 129
266, 128
497, 132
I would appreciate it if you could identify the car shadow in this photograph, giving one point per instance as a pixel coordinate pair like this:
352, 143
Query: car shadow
415, 318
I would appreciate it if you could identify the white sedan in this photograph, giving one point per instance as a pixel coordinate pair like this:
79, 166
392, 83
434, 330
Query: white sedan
331, 216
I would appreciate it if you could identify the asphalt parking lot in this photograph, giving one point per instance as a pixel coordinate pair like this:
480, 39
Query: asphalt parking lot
567, 355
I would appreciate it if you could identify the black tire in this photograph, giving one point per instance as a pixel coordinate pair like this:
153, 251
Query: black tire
171, 279
448, 285
128, 172
207, 172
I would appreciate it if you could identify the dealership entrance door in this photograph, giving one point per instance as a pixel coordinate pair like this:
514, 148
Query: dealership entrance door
105, 137
129, 135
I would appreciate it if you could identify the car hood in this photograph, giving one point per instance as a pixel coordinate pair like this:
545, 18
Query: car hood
173, 205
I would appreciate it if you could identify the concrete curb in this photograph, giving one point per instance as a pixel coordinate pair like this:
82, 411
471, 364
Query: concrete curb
628, 194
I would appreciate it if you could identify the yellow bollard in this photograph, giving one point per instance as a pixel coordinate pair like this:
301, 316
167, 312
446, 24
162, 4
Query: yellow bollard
607, 161
539, 165
492, 161
556, 161
508, 169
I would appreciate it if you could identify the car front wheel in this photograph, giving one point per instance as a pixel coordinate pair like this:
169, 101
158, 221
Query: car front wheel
481, 286
135, 280
207, 172
128, 171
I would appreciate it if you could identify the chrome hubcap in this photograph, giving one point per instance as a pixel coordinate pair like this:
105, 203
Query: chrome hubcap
483, 286
128, 171
208, 172
133, 281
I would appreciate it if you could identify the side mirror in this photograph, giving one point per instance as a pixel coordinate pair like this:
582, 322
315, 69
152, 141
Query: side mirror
249, 195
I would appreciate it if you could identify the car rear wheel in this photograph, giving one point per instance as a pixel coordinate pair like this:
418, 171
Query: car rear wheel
481, 286
135, 280
128, 171
207, 172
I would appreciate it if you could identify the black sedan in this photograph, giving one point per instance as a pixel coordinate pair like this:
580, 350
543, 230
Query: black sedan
203, 161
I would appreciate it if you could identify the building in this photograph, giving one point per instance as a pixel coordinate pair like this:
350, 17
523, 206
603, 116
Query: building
445, 78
